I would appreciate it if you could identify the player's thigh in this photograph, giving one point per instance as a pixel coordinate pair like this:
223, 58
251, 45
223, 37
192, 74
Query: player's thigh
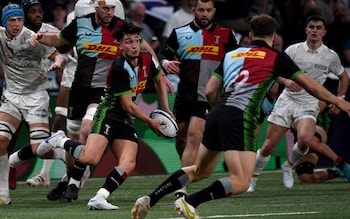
240, 164
196, 127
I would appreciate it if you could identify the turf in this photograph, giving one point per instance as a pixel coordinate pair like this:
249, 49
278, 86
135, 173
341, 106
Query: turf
270, 200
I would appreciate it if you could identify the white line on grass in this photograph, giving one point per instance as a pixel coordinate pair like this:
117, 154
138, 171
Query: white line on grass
253, 215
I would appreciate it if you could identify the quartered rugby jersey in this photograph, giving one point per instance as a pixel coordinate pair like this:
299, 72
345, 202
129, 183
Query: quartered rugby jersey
96, 48
124, 78
200, 52
247, 73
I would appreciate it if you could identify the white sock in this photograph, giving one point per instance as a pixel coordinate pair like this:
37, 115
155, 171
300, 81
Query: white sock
45, 170
296, 154
4, 173
102, 192
75, 182
261, 162
14, 160
59, 153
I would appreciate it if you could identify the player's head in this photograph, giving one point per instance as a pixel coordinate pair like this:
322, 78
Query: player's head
263, 26
12, 19
129, 40
105, 11
315, 28
187, 5
204, 11
317, 18
33, 13
27, 4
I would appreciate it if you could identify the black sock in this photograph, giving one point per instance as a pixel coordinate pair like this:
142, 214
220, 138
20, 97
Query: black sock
74, 148
79, 170
70, 170
215, 191
114, 179
176, 181
26, 152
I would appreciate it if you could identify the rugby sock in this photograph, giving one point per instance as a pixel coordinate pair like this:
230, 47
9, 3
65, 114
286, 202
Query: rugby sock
339, 162
74, 148
261, 162
114, 179
70, 170
26, 153
4, 172
59, 153
21, 155
45, 170
296, 154
175, 181
219, 189
78, 172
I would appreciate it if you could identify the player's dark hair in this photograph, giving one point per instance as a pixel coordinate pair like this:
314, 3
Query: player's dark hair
263, 25
126, 28
316, 18
196, 2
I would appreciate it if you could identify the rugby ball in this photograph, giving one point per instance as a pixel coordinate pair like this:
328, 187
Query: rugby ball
170, 127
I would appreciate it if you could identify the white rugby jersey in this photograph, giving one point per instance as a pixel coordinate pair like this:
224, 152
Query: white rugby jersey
22, 62
317, 65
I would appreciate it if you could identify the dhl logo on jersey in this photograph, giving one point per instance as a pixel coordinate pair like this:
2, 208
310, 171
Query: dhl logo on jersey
139, 88
205, 50
250, 54
101, 48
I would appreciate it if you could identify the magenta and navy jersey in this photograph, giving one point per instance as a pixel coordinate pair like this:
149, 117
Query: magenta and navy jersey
247, 72
124, 78
200, 52
96, 49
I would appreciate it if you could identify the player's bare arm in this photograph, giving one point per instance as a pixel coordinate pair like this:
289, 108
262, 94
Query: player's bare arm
59, 61
212, 90
317, 90
134, 110
48, 38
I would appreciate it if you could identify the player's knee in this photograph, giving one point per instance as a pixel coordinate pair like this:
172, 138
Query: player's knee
73, 126
85, 129
305, 140
305, 172
7, 130
38, 134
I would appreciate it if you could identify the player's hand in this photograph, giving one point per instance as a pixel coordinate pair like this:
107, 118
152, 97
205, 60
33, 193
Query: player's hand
343, 104
292, 86
333, 109
171, 67
155, 125
55, 66
170, 113
36, 38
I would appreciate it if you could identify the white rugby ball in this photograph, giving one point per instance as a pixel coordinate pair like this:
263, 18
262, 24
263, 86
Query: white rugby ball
170, 127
